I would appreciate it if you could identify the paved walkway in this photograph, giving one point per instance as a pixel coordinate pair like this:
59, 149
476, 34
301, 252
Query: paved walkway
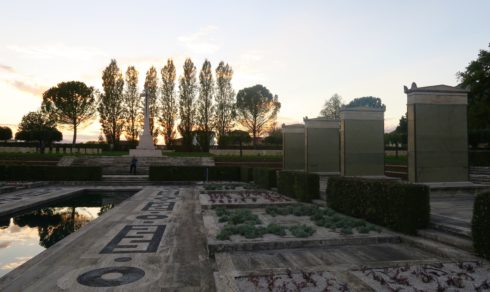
151, 242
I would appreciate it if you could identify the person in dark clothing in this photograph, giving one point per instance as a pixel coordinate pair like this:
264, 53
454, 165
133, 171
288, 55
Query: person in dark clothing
132, 168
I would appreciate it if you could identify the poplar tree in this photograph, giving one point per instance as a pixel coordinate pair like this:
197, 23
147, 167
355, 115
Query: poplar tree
168, 102
111, 107
132, 104
151, 89
225, 108
205, 107
187, 92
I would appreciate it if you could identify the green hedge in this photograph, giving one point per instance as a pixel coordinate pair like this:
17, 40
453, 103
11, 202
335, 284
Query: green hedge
265, 177
58, 173
480, 225
246, 174
400, 206
479, 158
299, 185
194, 173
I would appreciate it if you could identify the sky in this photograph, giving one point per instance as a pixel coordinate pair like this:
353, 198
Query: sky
303, 51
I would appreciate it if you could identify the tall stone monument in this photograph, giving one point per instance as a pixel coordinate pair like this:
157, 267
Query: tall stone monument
362, 141
322, 140
145, 147
293, 146
437, 133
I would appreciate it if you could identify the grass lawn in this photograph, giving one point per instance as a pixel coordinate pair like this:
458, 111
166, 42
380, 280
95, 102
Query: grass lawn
396, 160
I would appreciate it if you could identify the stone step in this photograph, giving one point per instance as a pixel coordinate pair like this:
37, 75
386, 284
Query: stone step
452, 229
447, 238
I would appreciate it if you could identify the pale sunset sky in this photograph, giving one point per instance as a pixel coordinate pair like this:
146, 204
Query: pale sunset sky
303, 51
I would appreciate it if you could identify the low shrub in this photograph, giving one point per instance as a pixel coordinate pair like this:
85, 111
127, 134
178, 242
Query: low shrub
265, 177
480, 225
301, 186
246, 174
194, 173
49, 173
400, 206
479, 158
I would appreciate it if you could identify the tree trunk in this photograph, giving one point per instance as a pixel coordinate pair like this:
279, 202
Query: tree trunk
74, 135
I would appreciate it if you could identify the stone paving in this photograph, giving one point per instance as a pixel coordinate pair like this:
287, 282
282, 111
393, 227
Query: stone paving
157, 241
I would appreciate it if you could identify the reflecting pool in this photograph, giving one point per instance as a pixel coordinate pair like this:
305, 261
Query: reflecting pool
26, 234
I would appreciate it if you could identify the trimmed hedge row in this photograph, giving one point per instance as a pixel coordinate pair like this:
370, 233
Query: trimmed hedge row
479, 158
56, 173
194, 173
400, 206
480, 225
246, 174
301, 186
265, 177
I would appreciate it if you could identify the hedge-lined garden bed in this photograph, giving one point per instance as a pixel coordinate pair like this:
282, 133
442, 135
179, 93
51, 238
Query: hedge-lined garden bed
50, 173
402, 207
301, 186
265, 177
480, 225
195, 173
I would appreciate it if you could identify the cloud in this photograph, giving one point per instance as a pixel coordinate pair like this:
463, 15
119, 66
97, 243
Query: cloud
33, 89
7, 68
58, 50
12, 265
202, 41
5, 244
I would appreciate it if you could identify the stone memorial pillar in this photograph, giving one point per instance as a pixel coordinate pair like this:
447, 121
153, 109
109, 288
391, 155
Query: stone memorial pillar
293, 146
362, 141
322, 140
145, 146
437, 133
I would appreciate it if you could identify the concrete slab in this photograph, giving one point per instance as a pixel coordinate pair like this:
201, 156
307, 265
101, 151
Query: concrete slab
152, 241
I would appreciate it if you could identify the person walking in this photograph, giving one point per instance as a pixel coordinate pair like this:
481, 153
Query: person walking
132, 168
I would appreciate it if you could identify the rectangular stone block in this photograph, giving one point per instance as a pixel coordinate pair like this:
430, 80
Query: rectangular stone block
322, 145
293, 143
362, 141
437, 134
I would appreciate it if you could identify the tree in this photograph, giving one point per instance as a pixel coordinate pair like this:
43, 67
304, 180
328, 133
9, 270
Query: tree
237, 137
168, 102
205, 107
151, 90
331, 108
257, 110
476, 78
187, 90
72, 103
5, 133
132, 105
367, 101
38, 126
111, 107
275, 137
399, 135
225, 109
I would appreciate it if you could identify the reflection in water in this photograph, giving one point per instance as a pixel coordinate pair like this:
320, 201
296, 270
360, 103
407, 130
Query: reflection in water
29, 233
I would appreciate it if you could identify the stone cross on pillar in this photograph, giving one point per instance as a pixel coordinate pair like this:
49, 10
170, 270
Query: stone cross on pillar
145, 146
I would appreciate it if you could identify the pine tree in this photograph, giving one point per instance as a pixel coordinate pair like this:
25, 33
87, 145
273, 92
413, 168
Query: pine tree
225, 109
132, 105
151, 89
111, 108
205, 107
187, 92
168, 102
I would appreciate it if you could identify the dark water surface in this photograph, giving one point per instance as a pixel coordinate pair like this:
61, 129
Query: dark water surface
26, 234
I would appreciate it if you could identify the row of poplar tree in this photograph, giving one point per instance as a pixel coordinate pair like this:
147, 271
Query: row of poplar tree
202, 103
